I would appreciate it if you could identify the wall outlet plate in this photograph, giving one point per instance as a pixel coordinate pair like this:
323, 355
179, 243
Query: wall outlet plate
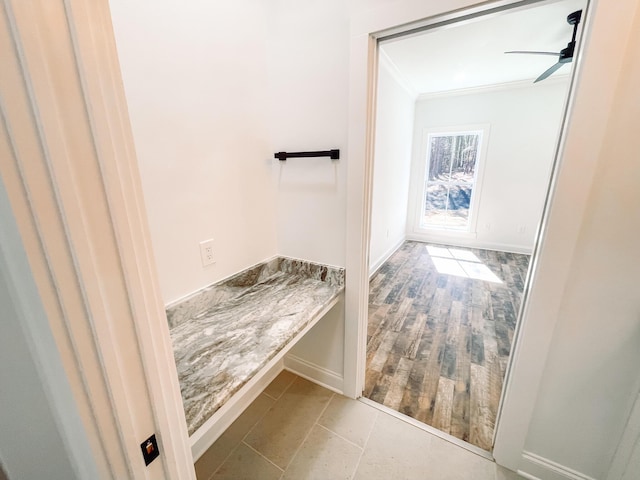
206, 252
150, 450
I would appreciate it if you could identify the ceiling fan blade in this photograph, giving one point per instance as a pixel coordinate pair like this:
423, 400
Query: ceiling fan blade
548, 71
555, 54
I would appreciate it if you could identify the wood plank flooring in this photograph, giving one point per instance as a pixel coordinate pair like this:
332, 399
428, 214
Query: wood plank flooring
437, 343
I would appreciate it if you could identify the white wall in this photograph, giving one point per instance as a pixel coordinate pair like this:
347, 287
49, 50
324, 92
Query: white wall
195, 76
308, 72
309, 93
524, 122
391, 165
592, 373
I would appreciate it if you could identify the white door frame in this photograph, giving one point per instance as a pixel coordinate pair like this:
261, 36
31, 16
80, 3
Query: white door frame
593, 86
72, 180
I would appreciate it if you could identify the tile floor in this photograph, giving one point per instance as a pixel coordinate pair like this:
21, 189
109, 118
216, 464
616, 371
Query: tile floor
298, 430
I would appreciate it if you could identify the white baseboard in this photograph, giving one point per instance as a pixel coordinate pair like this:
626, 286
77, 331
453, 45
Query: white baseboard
374, 266
628, 449
470, 243
535, 467
314, 373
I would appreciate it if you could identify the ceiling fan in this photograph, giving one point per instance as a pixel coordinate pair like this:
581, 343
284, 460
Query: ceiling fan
566, 54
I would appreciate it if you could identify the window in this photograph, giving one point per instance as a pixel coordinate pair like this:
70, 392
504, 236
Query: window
450, 180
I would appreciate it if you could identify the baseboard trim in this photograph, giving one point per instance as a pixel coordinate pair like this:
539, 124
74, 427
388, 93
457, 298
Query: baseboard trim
460, 242
629, 445
373, 267
314, 373
535, 467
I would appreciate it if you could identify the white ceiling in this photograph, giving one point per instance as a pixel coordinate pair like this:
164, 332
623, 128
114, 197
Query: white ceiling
471, 53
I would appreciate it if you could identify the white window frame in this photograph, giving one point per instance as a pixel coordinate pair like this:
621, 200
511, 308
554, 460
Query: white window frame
420, 174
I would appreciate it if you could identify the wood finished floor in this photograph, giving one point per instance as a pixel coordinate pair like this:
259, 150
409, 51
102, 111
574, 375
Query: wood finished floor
438, 344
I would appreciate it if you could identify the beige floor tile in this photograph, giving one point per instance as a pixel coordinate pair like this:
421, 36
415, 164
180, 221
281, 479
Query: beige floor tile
349, 418
451, 462
323, 456
276, 388
287, 423
245, 464
216, 454
395, 450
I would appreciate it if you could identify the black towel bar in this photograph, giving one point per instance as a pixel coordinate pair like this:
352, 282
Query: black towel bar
282, 156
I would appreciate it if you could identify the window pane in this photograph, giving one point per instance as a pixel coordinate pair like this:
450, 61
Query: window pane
458, 205
440, 158
435, 207
449, 184
464, 153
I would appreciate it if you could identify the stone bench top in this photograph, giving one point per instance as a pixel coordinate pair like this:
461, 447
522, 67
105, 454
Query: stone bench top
225, 334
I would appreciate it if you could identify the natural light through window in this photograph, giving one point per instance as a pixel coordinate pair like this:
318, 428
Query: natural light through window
452, 160
461, 263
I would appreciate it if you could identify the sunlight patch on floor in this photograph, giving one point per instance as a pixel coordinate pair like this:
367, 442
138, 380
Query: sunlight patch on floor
461, 263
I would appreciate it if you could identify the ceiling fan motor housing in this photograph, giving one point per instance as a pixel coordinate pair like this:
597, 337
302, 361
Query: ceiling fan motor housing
566, 54
574, 17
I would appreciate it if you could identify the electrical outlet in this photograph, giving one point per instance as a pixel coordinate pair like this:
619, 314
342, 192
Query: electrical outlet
206, 252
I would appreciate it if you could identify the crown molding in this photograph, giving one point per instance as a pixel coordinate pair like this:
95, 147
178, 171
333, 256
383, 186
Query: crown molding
386, 63
560, 79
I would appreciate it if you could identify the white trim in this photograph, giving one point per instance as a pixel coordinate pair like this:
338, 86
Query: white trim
34, 201
527, 475
385, 256
74, 186
113, 140
419, 171
459, 242
215, 426
29, 317
537, 467
496, 87
315, 373
393, 70
629, 443
362, 92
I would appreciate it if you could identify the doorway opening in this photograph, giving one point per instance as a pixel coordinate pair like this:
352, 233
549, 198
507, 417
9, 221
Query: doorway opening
467, 127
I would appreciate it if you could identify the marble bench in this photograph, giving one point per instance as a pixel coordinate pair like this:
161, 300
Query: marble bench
226, 336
